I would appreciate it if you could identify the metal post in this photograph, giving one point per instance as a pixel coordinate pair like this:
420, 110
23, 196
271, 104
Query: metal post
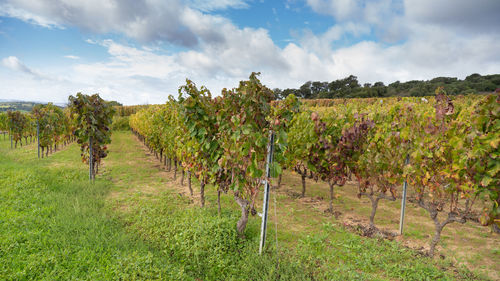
38, 137
403, 200
90, 159
265, 205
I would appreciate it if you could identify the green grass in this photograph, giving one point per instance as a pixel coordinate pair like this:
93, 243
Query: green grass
53, 226
131, 225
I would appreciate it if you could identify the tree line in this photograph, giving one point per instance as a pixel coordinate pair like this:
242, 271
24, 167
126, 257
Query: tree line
350, 87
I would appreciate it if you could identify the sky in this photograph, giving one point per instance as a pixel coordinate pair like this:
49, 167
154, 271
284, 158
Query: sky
141, 51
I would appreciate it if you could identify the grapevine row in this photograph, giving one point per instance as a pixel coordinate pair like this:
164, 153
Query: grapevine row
221, 141
53, 124
451, 146
87, 120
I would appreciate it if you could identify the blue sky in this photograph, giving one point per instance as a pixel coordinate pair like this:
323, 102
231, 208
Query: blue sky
140, 51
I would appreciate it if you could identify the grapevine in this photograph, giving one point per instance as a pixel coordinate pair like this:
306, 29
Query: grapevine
93, 117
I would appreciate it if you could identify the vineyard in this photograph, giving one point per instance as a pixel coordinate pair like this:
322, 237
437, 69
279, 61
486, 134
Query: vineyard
87, 118
49, 123
446, 149
181, 199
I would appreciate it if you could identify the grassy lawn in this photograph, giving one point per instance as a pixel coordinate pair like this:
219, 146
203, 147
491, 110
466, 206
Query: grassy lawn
137, 223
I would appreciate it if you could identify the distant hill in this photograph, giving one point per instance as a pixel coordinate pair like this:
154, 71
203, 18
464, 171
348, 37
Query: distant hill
13, 105
6, 105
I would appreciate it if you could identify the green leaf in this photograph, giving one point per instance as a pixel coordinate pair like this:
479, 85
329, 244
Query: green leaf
486, 181
275, 169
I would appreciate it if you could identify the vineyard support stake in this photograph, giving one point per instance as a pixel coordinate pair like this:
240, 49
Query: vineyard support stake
90, 159
265, 205
38, 137
403, 200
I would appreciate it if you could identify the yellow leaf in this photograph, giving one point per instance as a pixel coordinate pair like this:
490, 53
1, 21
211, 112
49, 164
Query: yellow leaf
424, 181
494, 143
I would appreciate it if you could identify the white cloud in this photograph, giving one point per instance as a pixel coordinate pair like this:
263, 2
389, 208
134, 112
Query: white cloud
340, 9
434, 38
322, 44
393, 19
136, 75
213, 5
383, 16
132, 73
8, 10
13, 63
219, 53
72, 57
144, 20
472, 16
